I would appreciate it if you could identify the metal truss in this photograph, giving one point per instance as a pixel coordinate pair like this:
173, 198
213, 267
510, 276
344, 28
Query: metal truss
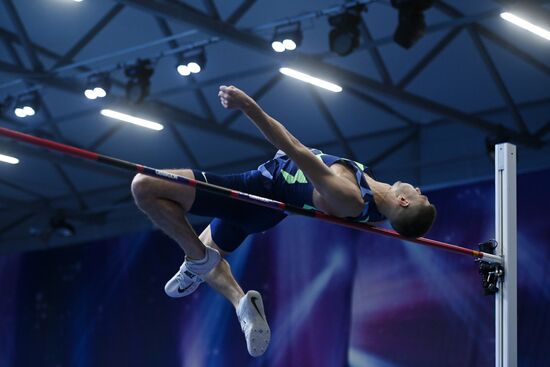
184, 14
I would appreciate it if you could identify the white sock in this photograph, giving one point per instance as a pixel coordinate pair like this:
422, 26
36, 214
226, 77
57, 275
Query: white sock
208, 262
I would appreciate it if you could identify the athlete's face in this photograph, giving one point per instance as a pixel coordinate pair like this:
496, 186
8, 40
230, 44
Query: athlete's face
409, 192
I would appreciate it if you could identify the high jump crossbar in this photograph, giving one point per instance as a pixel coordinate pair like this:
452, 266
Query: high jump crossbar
242, 196
237, 195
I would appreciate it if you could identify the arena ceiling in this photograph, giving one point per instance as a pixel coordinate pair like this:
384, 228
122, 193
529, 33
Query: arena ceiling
425, 114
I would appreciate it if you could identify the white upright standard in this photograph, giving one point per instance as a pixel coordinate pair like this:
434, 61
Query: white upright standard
506, 235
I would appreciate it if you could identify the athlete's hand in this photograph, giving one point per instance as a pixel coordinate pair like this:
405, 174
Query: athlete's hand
234, 98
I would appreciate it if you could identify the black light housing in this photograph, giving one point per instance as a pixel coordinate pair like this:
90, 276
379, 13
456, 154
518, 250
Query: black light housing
26, 105
97, 86
344, 36
192, 62
138, 85
411, 26
287, 37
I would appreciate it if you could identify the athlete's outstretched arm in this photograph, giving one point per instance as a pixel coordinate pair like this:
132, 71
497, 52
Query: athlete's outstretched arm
327, 183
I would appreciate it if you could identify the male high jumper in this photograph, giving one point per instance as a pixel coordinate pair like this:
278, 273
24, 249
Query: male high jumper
297, 175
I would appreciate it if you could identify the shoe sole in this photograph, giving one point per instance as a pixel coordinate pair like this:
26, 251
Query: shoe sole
260, 334
259, 340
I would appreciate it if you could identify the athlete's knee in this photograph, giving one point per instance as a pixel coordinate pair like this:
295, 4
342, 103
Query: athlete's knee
146, 189
141, 187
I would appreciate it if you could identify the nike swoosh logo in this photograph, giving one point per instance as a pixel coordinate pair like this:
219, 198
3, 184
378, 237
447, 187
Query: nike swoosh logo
254, 299
180, 290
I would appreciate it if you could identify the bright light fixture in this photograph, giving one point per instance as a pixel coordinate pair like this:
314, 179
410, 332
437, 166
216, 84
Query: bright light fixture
289, 44
278, 46
29, 111
8, 159
191, 67
183, 70
194, 67
97, 86
520, 22
287, 37
26, 105
192, 62
90, 94
100, 92
132, 119
20, 112
311, 79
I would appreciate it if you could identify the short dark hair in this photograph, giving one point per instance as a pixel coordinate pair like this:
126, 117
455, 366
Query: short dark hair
414, 220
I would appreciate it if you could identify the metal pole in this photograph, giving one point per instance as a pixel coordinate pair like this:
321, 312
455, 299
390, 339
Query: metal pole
506, 236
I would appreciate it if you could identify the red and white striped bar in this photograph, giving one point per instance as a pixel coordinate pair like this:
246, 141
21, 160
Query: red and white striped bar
242, 196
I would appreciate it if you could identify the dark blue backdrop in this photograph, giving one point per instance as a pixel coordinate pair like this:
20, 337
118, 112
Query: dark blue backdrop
334, 297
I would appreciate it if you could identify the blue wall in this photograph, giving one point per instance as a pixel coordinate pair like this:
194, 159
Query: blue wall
334, 297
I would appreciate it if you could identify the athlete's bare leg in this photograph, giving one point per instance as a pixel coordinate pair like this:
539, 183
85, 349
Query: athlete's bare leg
221, 274
166, 203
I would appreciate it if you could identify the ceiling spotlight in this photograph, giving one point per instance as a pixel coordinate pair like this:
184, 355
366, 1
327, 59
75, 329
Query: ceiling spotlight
97, 86
344, 36
19, 112
26, 105
183, 70
192, 62
411, 25
287, 37
194, 67
138, 85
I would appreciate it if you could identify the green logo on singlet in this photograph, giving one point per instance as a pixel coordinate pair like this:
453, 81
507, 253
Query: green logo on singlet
297, 177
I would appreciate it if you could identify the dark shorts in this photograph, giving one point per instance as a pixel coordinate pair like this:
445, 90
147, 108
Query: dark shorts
234, 220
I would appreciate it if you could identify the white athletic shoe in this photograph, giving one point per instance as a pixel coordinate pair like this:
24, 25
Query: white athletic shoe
183, 283
188, 278
251, 314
